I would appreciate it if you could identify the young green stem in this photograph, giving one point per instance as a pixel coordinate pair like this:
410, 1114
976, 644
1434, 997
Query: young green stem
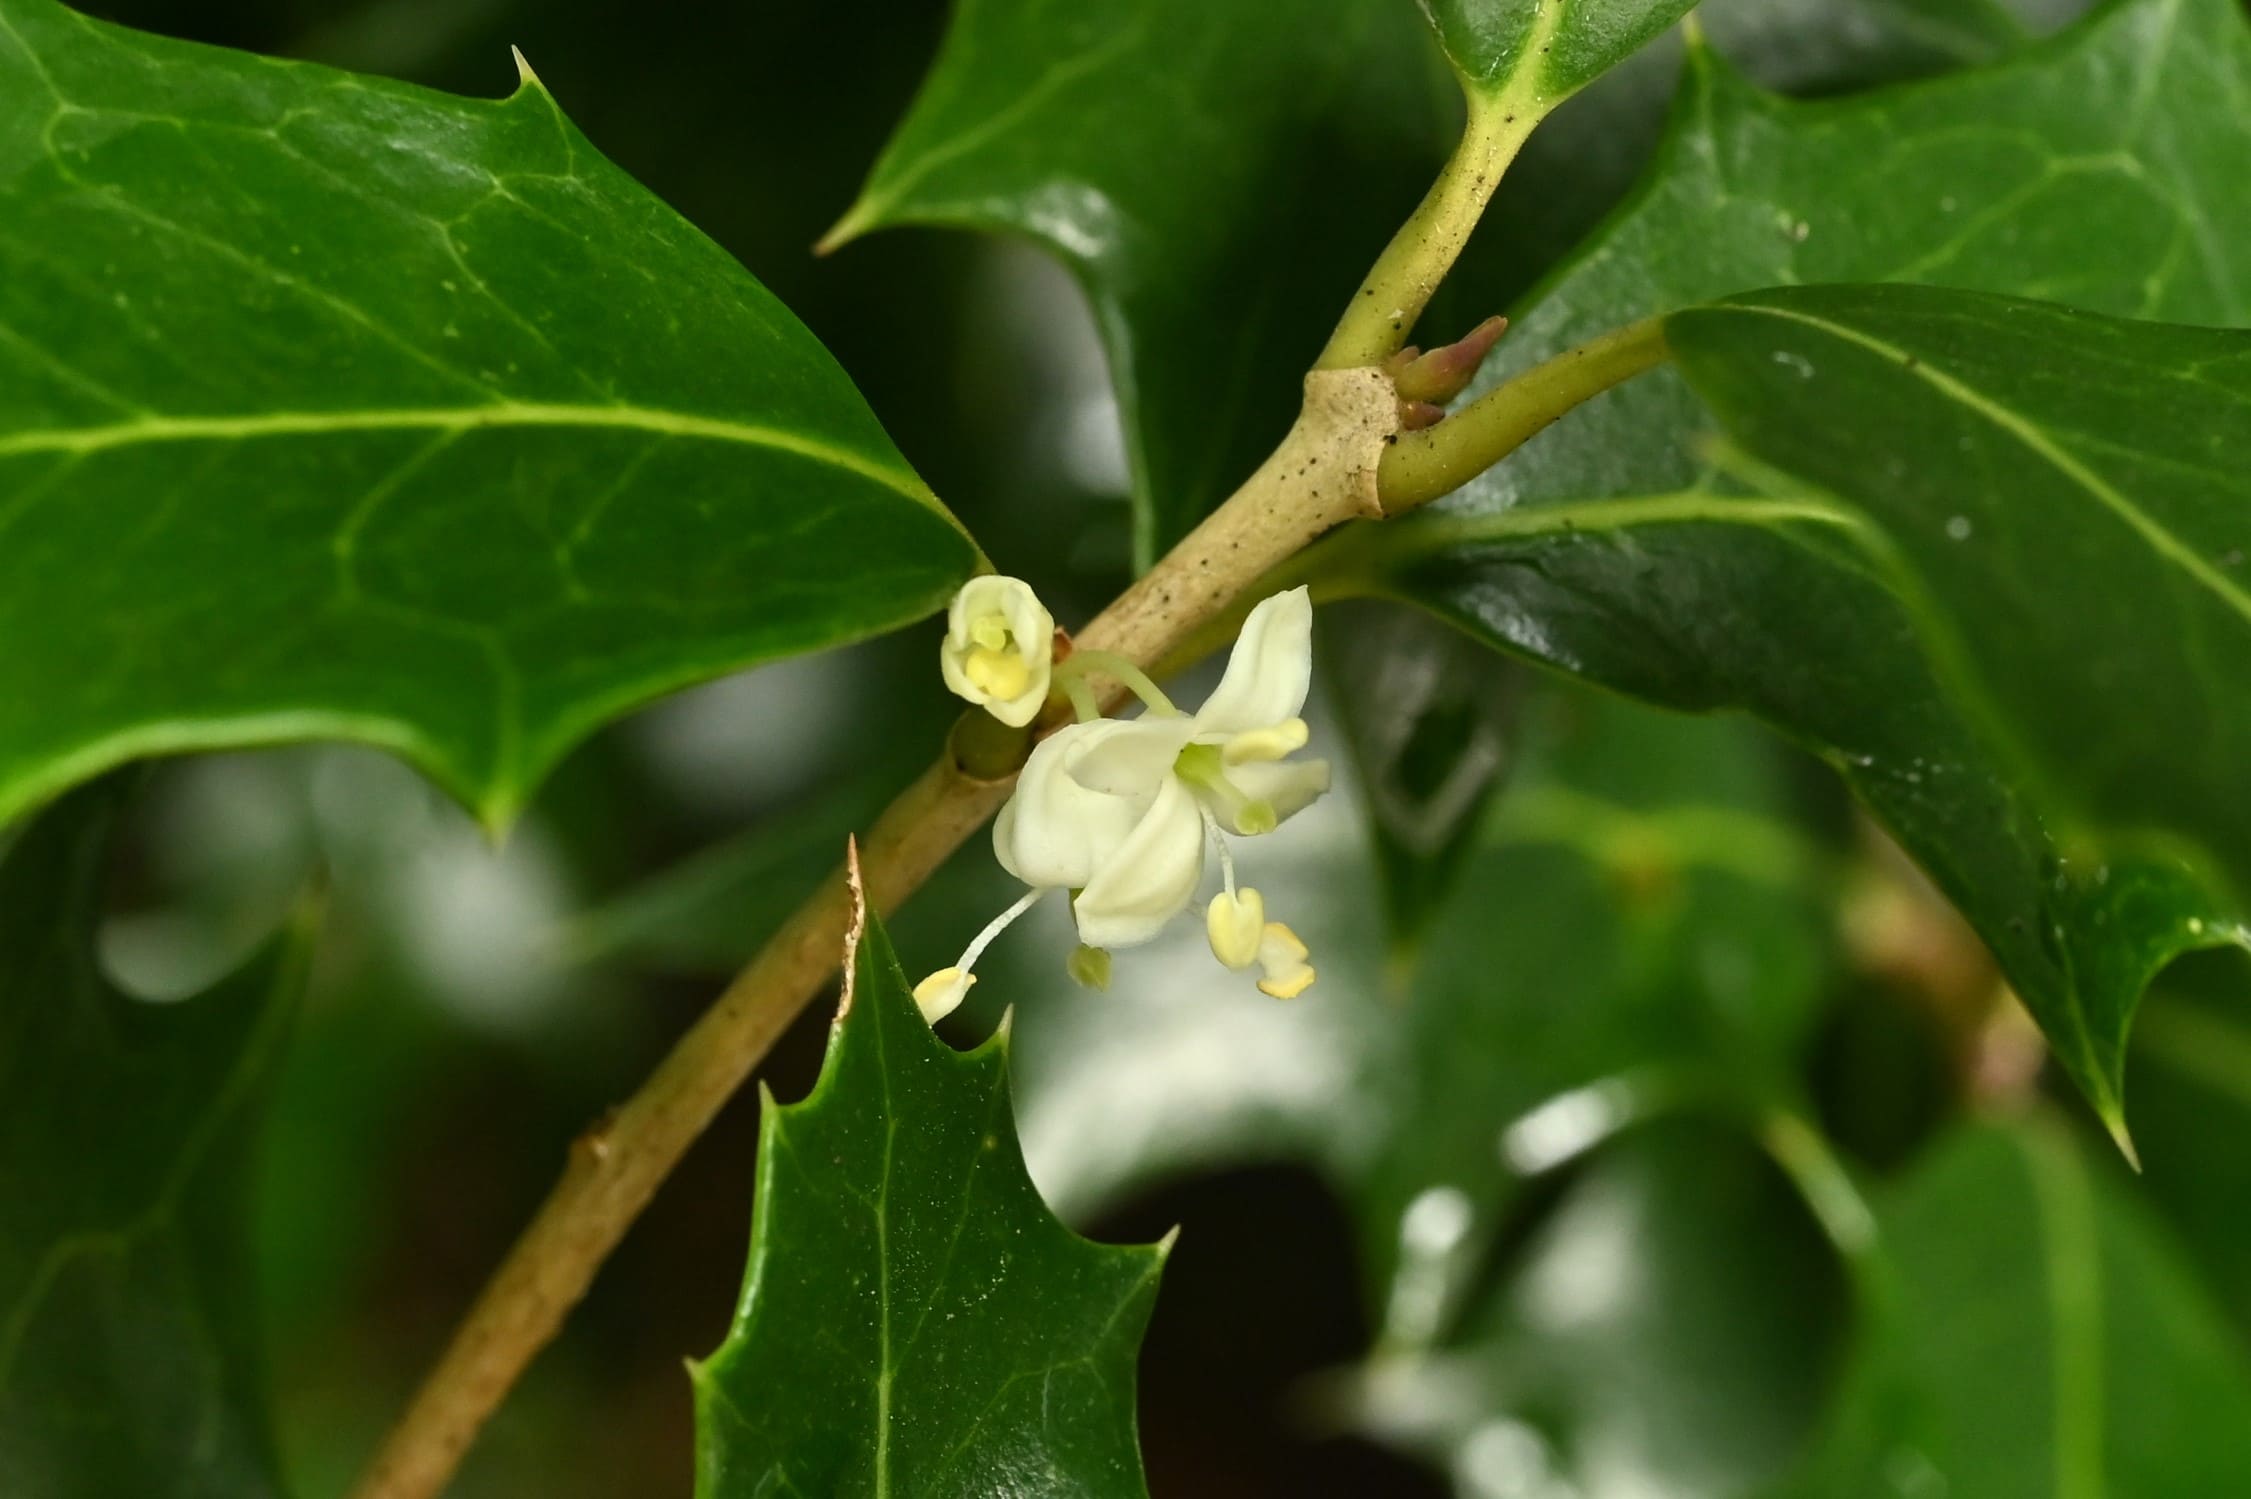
1403, 280
1422, 466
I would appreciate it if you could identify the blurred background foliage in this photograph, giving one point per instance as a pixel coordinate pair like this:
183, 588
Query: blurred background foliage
1556, 1187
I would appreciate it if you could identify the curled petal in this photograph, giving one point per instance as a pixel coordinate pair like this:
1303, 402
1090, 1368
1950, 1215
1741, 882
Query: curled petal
1054, 831
1270, 670
1133, 756
1151, 878
1288, 786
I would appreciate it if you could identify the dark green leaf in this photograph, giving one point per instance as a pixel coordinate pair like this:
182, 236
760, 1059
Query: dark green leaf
2028, 1335
1555, 47
914, 1319
334, 407
2058, 501
1311, 139
128, 1362
1168, 151
2189, 1075
2106, 164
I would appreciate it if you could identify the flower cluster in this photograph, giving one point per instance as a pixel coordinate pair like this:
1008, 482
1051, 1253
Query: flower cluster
1122, 812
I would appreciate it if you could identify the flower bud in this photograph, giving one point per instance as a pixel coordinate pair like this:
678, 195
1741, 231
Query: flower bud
999, 649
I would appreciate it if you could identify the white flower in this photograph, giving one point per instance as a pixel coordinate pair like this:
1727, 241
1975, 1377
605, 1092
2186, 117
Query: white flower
1121, 810
999, 648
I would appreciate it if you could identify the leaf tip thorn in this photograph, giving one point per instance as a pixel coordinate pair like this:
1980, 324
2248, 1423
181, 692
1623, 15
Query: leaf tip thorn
524, 73
2115, 1122
857, 220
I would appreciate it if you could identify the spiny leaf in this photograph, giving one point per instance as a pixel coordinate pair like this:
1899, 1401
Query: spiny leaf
2105, 164
330, 406
128, 1360
914, 1320
2057, 501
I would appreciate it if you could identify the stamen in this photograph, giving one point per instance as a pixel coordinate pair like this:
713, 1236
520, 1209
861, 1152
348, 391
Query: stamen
1236, 923
990, 632
995, 927
1283, 739
1001, 673
1219, 845
1283, 956
1199, 765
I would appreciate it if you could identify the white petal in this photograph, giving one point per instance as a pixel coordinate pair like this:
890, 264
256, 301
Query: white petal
1270, 670
1289, 786
1150, 879
1054, 831
1133, 757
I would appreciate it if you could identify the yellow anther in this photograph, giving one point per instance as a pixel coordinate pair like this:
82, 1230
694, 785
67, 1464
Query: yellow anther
989, 631
1254, 745
942, 993
1003, 674
1235, 923
1283, 956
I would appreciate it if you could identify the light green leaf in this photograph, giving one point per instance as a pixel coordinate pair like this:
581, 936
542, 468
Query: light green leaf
330, 406
914, 1319
2105, 165
2029, 1335
1546, 48
128, 1361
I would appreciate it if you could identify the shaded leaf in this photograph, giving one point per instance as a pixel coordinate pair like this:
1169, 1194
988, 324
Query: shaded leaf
2027, 1335
128, 1357
914, 1319
1671, 1326
1635, 928
335, 407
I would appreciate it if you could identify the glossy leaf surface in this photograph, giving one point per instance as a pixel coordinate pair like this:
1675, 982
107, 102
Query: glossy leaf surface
1215, 175
914, 1320
1556, 46
2104, 161
333, 407
128, 1358
2058, 502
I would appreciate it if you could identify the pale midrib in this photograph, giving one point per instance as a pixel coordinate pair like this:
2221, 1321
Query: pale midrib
83, 441
2164, 542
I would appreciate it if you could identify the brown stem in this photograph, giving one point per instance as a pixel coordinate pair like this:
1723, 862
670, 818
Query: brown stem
1322, 475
